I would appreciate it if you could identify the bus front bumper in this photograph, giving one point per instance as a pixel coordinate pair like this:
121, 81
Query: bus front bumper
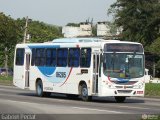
121, 92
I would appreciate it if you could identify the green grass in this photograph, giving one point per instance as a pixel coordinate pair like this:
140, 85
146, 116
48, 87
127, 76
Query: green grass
152, 89
9, 78
6, 80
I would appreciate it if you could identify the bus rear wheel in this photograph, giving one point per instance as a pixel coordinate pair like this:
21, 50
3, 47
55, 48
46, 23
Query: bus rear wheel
84, 93
39, 90
120, 99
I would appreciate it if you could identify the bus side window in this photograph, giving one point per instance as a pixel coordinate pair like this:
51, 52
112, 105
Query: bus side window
40, 57
54, 56
51, 57
48, 57
33, 56
20, 56
62, 56
85, 57
74, 55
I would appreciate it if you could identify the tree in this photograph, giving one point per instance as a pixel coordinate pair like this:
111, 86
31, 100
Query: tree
73, 24
140, 19
155, 46
8, 39
39, 31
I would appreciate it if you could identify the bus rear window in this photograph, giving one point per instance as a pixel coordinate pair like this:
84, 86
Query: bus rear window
20, 56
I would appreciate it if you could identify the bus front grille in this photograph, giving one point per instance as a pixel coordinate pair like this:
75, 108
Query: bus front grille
124, 91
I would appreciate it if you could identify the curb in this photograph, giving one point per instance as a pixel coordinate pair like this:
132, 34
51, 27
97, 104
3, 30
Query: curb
6, 83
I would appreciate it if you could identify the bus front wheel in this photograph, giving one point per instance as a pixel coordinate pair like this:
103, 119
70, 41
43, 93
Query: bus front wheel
84, 93
120, 99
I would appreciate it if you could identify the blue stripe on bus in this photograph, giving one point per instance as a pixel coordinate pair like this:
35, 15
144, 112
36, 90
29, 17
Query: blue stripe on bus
119, 80
47, 71
50, 73
122, 80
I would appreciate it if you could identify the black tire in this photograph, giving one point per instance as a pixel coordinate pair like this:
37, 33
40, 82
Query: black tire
39, 89
120, 99
84, 93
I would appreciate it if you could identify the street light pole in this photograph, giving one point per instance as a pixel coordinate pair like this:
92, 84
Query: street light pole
25, 30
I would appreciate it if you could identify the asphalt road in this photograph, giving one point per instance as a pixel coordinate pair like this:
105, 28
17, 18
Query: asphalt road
15, 101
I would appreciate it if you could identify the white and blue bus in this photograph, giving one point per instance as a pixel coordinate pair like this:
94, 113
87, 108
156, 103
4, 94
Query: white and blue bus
84, 67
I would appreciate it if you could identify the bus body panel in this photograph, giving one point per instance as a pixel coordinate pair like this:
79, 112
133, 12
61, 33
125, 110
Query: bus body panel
67, 79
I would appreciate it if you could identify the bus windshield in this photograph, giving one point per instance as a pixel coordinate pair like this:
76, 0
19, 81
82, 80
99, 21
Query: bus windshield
123, 65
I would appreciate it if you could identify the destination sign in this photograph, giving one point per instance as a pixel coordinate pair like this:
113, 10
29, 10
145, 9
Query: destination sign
123, 47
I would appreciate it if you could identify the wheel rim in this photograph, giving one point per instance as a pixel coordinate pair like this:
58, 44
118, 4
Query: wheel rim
39, 89
84, 92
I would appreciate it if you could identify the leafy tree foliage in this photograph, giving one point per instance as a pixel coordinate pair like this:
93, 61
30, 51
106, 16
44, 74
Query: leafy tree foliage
155, 47
8, 39
140, 19
12, 32
155, 50
39, 31
73, 24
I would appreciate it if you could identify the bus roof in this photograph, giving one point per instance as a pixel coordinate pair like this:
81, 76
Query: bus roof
88, 40
77, 40
82, 41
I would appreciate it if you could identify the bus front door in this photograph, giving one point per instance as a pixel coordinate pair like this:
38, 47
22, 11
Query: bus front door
27, 69
96, 61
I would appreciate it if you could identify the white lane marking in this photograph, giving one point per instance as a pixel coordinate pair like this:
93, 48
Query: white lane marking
87, 108
19, 101
99, 110
34, 97
133, 107
129, 107
80, 108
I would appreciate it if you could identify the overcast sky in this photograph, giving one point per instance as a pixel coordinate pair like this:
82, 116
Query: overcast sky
58, 12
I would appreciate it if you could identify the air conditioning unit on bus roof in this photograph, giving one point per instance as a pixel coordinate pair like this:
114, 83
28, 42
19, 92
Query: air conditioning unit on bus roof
76, 40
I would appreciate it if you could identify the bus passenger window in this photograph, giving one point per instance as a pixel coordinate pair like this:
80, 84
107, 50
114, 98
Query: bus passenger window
33, 56
51, 57
85, 57
74, 55
62, 56
20, 56
40, 57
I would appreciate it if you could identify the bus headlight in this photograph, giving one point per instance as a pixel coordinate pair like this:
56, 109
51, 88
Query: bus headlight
140, 85
111, 86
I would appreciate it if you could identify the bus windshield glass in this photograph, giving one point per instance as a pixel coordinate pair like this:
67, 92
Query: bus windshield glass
123, 65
